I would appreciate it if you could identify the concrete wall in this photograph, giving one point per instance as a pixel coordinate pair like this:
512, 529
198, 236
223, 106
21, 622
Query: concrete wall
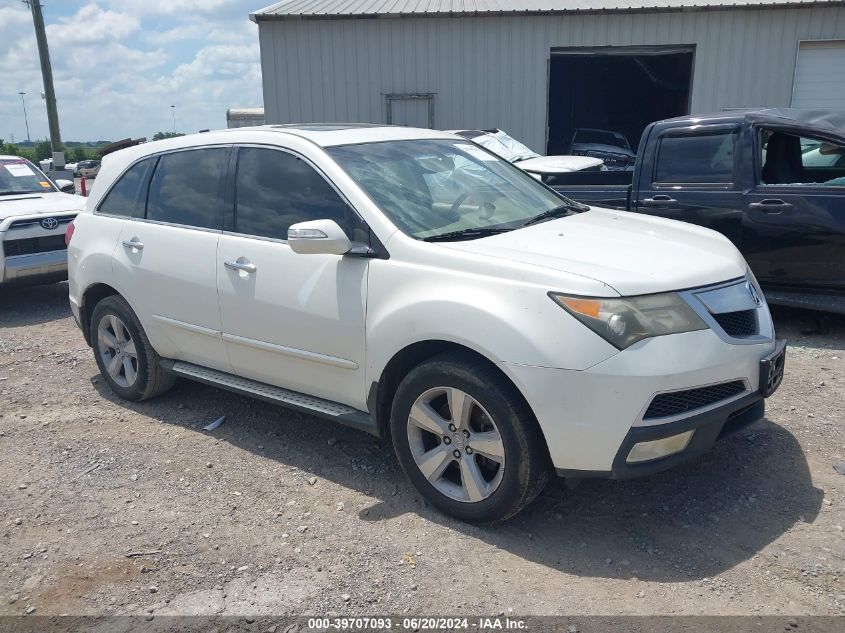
492, 72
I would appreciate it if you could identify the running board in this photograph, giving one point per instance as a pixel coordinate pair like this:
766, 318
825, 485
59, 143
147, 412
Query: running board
276, 395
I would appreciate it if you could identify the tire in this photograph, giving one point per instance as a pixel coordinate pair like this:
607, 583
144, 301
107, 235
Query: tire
133, 376
423, 403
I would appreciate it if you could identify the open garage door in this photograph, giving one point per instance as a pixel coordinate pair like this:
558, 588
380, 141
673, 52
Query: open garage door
820, 75
621, 89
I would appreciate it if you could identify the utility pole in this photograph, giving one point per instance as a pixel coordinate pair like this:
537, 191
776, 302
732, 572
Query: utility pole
173, 110
25, 120
47, 75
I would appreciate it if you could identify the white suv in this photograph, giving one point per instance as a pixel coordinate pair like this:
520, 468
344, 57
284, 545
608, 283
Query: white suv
414, 285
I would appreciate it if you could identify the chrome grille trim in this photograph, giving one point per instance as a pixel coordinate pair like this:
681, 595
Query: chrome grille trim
28, 222
731, 296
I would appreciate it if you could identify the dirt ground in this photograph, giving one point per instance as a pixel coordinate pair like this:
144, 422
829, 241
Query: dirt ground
108, 507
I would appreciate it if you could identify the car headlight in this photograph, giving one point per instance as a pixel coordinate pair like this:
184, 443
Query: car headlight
624, 321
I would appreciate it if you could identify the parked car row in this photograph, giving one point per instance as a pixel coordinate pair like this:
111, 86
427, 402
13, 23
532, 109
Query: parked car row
436, 292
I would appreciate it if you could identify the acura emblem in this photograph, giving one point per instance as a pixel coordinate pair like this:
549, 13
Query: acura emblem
49, 223
753, 292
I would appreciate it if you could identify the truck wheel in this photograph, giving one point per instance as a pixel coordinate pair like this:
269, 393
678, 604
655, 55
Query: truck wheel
124, 355
467, 440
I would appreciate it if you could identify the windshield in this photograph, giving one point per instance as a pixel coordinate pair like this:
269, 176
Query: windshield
601, 137
18, 175
434, 187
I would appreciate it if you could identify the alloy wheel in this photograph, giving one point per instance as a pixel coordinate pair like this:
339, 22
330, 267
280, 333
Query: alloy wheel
456, 445
117, 350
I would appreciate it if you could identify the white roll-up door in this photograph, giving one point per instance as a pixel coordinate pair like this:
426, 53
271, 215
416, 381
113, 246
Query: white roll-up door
820, 75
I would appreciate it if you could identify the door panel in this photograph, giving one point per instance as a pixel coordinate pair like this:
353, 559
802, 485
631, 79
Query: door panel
167, 259
717, 210
171, 274
795, 236
294, 321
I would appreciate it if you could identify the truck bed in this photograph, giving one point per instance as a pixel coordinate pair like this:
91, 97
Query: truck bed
599, 188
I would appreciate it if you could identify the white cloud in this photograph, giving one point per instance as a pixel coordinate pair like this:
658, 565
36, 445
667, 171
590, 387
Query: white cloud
118, 66
92, 25
171, 7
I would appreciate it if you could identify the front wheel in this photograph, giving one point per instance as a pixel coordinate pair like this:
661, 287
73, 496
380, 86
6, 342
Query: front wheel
467, 440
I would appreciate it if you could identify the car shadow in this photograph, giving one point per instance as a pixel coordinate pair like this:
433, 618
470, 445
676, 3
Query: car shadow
689, 523
21, 306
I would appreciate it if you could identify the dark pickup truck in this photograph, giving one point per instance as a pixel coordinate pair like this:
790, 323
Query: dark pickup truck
772, 181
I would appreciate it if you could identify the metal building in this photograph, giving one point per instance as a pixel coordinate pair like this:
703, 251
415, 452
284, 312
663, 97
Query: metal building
542, 68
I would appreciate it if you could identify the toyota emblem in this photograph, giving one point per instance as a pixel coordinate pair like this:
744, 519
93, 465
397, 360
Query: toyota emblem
49, 223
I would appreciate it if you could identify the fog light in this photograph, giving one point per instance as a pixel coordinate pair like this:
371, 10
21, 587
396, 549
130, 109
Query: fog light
655, 449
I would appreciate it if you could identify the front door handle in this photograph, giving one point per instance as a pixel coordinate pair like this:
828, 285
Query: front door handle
770, 205
135, 243
241, 264
659, 201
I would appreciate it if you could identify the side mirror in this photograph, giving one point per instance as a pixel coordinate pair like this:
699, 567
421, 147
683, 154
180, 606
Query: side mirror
66, 186
318, 237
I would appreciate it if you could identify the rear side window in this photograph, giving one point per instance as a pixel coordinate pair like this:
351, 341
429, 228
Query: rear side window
187, 188
275, 189
700, 158
125, 198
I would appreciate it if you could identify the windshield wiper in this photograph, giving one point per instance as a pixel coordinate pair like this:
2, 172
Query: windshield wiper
465, 234
16, 193
558, 212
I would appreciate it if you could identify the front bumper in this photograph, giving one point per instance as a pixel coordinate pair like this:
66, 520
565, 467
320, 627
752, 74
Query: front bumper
707, 427
591, 419
35, 268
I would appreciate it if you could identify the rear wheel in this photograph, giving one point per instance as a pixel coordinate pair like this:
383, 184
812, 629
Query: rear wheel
123, 352
467, 440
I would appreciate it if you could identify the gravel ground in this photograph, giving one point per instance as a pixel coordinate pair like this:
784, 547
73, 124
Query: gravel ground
108, 507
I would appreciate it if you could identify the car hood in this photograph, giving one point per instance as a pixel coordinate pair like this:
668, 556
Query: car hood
558, 164
39, 204
634, 254
600, 147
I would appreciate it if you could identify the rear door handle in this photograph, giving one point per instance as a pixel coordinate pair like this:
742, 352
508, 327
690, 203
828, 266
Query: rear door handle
770, 205
135, 243
239, 265
659, 201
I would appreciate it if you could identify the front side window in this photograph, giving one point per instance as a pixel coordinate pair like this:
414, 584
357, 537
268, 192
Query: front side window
789, 159
699, 158
274, 189
124, 198
430, 188
18, 175
187, 188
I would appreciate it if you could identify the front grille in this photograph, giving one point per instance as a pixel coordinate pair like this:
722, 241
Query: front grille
30, 245
740, 323
23, 224
668, 404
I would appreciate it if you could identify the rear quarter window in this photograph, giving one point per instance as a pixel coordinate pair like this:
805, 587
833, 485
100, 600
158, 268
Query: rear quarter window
128, 194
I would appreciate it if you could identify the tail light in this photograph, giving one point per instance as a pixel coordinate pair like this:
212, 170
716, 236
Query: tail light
69, 232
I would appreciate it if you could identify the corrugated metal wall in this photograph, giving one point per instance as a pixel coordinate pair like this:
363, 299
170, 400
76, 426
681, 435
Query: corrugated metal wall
492, 72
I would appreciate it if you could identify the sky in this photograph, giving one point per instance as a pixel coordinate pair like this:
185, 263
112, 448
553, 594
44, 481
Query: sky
118, 66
